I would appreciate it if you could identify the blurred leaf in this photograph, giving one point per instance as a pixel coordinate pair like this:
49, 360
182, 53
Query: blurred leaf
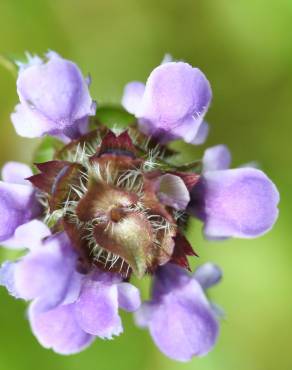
195, 166
46, 150
114, 117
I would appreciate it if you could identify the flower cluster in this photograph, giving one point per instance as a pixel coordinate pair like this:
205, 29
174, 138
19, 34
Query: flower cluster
112, 203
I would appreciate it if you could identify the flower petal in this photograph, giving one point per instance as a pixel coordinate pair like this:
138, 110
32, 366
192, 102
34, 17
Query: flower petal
208, 275
74, 288
46, 272
143, 315
58, 329
132, 97
16, 173
96, 310
175, 90
17, 206
176, 95
30, 124
218, 311
201, 135
187, 130
51, 104
28, 235
167, 278
240, 203
216, 158
7, 278
129, 297
173, 192
183, 324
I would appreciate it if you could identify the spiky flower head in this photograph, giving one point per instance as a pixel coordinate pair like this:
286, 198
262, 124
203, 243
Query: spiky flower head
107, 204
114, 195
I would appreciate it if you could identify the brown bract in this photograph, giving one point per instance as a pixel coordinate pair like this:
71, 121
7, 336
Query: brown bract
56, 179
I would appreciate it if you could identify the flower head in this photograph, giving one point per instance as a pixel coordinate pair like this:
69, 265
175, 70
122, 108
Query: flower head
119, 211
110, 204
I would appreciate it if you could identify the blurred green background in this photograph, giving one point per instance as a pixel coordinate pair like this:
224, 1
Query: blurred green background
245, 49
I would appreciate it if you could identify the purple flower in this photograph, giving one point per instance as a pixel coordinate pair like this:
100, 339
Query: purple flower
233, 202
54, 99
18, 204
68, 309
108, 206
181, 320
172, 104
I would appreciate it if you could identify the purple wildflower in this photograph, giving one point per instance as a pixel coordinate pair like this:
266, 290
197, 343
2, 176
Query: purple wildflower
181, 320
54, 99
113, 204
172, 104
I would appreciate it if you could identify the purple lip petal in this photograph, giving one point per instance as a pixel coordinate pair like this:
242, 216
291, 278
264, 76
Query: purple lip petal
184, 325
180, 319
16, 207
201, 135
7, 278
53, 266
96, 310
30, 124
143, 314
28, 235
16, 173
208, 275
58, 329
18, 203
239, 203
129, 297
216, 158
174, 91
132, 97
